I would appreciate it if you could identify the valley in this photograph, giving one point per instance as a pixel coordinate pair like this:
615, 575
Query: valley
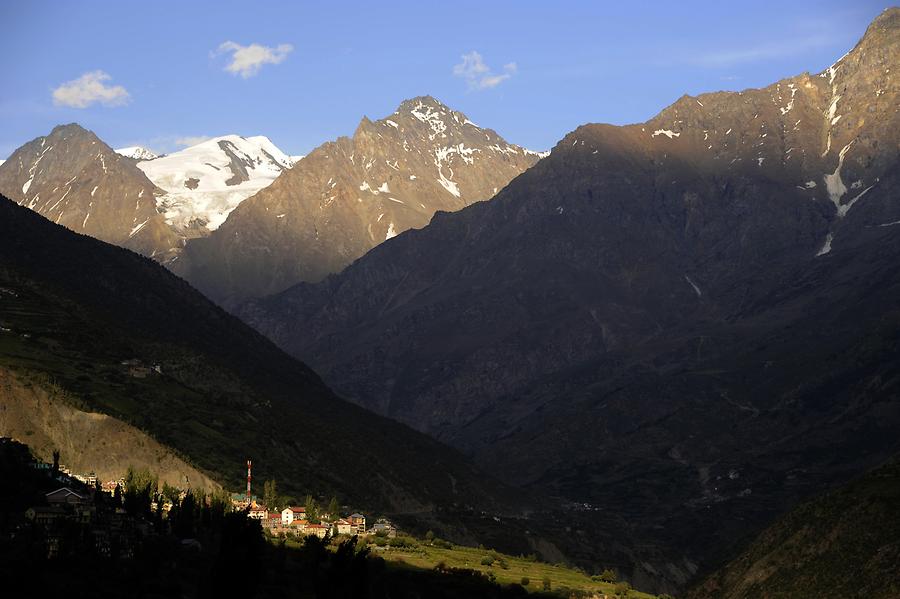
659, 359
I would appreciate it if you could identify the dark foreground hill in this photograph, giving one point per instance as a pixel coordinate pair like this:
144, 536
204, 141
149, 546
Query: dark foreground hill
843, 545
122, 336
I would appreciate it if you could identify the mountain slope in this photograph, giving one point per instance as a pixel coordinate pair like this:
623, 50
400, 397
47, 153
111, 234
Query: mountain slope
842, 545
78, 310
348, 196
74, 179
687, 324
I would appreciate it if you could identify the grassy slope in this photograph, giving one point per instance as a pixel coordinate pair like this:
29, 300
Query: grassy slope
426, 557
843, 545
225, 394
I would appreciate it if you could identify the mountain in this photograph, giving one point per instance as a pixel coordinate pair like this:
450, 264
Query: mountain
841, 545
76, 180
120, 336
205, 182
349, 195
137, 152
683, 327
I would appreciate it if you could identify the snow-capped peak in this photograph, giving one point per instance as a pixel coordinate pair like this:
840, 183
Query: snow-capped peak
137, 152
206, 181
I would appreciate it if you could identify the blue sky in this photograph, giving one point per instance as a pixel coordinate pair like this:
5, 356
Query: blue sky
542, 68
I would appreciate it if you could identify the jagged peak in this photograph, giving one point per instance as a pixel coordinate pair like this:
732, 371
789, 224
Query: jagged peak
69, 128
413, 103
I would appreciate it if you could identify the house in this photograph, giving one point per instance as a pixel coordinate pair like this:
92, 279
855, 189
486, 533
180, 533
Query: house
258, 512
65, 496
299, 527
318, 530
289, 514
343, 527
239, 501
384, 527
272, 521
359, 521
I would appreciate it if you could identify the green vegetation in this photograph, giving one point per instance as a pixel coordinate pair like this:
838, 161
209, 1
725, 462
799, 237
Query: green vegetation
406, 552
842, 545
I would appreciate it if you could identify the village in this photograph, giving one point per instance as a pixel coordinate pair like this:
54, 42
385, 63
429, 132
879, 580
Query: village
76, 500
59, 516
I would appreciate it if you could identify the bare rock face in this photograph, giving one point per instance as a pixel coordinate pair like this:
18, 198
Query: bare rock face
74, 179
350, 195
682, 326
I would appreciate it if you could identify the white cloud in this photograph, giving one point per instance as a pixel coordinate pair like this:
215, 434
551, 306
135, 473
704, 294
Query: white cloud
246, 61
89, 89
480, 76
191, 140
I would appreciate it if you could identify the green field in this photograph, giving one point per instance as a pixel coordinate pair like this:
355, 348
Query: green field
506, 569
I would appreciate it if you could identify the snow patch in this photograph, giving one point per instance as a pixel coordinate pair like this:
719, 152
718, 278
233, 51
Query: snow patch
694, 285
137, 153
666, 132
834, 184
826, 247
210, 163
138, 228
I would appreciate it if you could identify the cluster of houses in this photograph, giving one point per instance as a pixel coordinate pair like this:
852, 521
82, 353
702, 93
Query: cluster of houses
67, 505
110, 530
293, 521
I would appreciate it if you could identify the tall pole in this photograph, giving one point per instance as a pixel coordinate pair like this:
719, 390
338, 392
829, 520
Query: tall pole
249, 464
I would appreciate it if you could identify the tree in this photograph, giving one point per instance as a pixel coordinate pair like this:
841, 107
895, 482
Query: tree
429, 536
312, 510
621, 589
185, 517
546, 583
270, 494
55, 462
525, 581
334, 508
140, 488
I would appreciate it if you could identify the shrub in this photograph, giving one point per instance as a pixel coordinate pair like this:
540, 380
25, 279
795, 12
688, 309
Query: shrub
487, 560
621, 589
525, 581
608, 575
402, 542
546, 583
442, 544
